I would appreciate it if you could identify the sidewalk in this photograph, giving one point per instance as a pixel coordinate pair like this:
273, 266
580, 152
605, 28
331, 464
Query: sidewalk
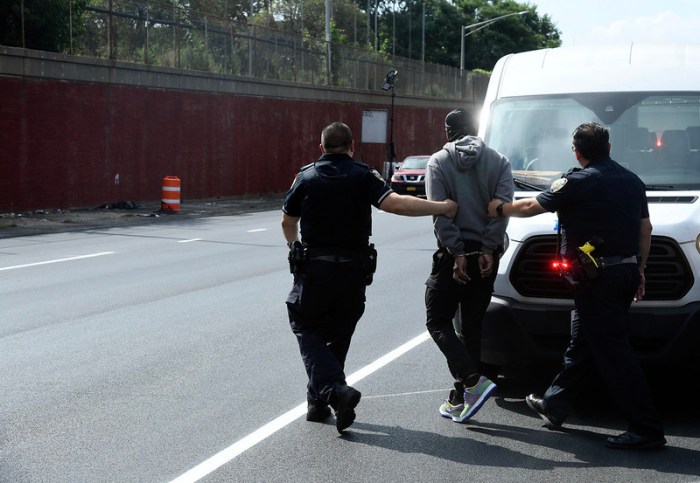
42, 222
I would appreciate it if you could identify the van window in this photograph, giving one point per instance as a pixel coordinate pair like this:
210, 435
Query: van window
655, 135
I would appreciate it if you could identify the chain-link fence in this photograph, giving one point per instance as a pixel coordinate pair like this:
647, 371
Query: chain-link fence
154, 33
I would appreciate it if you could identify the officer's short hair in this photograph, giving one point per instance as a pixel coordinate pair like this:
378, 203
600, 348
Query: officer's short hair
336, 138
591, 140
459, 123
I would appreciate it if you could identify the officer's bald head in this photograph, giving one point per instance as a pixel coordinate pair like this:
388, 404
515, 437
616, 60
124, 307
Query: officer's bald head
336, 138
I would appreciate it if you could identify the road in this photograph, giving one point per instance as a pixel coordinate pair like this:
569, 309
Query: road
160, 353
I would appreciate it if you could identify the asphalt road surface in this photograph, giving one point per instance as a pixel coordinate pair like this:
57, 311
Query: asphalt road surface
162, 352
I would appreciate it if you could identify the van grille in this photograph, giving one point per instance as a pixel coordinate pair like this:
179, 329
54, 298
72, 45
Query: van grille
668, 275
672, 199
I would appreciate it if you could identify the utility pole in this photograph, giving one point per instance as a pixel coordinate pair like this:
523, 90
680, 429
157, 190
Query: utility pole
329, 49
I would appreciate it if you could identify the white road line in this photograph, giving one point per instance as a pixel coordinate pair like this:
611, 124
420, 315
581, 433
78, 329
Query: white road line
188, 241
257, 230
58, 260
404, 394
228, 454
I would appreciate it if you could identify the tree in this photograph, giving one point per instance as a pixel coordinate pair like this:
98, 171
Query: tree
442, 20
307, 18
46, 25
401, 26
238, 11
518, 33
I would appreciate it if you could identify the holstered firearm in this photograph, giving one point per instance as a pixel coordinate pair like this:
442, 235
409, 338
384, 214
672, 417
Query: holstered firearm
588, 265
297, 257
369, 263
584, 267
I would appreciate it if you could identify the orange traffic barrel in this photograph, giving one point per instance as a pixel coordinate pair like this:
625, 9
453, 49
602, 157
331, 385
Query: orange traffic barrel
170, 197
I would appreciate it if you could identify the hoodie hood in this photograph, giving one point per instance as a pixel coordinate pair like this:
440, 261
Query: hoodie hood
465, 152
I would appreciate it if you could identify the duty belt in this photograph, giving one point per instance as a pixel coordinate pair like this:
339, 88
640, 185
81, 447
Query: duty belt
608, 261
336, 256
333, 258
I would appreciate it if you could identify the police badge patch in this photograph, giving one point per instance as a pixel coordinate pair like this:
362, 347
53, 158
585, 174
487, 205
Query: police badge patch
378, 176
557, 185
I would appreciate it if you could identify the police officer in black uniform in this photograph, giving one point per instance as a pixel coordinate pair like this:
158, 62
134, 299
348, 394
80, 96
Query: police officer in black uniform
330, 205
604, 205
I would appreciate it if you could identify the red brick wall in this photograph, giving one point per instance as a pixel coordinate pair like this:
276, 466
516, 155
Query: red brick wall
62, 144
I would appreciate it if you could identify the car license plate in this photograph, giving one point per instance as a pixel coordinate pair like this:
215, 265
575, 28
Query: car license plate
411, 188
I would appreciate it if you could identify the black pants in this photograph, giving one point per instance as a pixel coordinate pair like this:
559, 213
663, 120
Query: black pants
324, 306
599, 340
442, 297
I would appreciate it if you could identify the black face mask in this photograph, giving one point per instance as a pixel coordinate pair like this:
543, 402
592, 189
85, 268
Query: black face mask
453, 135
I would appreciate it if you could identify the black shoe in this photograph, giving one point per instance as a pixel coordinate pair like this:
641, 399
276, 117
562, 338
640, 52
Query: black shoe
537, 405
317, 411
346, 399
630, 440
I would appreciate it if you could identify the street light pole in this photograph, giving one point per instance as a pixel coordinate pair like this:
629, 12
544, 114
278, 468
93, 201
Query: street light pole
470, 29
388, 85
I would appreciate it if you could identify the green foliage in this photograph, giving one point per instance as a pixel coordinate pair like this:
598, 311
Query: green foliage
517, 33
401, 31
215, 35
308, 18
434, 90
47, 23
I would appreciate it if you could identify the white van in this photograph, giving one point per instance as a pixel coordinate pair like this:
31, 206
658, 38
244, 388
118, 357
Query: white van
649, 98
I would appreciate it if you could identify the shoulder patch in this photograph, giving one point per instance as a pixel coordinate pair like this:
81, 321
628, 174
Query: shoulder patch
557, 185
377, 175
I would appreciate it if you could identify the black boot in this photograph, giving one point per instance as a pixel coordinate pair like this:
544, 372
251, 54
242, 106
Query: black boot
317, 411
345, 399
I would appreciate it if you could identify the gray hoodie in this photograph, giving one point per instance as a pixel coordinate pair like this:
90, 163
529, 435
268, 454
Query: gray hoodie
470, 173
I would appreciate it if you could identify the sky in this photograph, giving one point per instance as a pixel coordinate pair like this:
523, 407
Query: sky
602, 21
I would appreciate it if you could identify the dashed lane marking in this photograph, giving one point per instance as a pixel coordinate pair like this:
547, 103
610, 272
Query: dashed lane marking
58, 260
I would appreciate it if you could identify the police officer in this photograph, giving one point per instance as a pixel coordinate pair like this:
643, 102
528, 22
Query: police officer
605, 202
330, 205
